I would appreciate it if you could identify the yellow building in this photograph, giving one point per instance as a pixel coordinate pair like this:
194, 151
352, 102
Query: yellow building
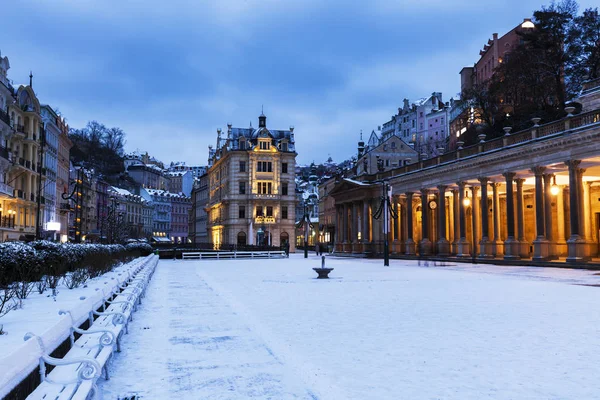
24, 170
251, 187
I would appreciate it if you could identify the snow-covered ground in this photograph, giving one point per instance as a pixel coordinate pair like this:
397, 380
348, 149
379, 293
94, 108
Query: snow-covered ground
266, 329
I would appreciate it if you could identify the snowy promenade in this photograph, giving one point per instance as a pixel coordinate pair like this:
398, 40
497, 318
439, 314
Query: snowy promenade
265, 329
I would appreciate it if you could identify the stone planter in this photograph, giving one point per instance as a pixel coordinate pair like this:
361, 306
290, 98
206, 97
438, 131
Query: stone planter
323, 272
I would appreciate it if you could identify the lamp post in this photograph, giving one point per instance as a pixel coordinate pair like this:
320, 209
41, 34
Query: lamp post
75, 196
306, 224
386, 211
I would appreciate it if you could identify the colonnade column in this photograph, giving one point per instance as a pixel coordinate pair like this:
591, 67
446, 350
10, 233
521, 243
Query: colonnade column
511, 250
485, 246
456, 214
540, 244
497, 245
410, 243
398, 222
474, 216
345, 226
548, 217
365, 223
575, 244
443, 246
560, 222
425, 244
523, 244
463, 244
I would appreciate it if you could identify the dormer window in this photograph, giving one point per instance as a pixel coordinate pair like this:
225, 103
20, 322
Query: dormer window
242, 144
265, 144
284, 146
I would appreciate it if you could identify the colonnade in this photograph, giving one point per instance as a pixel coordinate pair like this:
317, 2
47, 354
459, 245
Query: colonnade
472, 218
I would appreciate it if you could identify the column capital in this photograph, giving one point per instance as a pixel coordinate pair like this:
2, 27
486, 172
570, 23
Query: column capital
483, 180
548, 179
495, 185
442, 189
538, 171
474, 189
509, 176
461, 185
519, 182
572, 163
580, 171
424, 192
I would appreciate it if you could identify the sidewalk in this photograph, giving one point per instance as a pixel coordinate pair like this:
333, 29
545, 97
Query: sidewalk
186, 341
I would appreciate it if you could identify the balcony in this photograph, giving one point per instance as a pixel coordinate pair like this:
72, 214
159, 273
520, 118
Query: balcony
6, 189
20, 128
19, 194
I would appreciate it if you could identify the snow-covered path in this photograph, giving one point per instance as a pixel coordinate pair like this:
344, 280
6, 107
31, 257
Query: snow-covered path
187, 342
266, 329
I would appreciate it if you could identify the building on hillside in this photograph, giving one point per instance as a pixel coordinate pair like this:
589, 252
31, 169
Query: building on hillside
198, 232
181, 182
180, 166
161, 218
149, 176
251, 182
492, 54
180, 215
50, 159
391, 153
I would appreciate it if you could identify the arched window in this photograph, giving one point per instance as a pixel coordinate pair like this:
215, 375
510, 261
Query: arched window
241, 239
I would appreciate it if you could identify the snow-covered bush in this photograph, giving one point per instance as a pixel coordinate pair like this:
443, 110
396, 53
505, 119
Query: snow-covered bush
24, 262
139, 249
52, 262
7, 291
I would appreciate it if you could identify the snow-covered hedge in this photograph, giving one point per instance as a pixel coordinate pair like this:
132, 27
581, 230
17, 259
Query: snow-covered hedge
42, 264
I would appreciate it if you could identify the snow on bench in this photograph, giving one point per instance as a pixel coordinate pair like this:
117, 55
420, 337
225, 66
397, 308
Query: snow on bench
75, 375
117, 305
217, 255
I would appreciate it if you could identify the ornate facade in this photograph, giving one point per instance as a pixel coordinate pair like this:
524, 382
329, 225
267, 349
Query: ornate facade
251, 190
532, 195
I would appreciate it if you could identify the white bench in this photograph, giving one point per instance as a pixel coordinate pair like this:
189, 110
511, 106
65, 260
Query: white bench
75, 375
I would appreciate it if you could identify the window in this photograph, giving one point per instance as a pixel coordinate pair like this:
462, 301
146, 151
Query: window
242, 166
269, 211
393, 145
284, 212
264, 166
284, 168
387, 163
284, 146
242, 212
284, 189
242, 144
421, 114
242, 187
259, 211
264, 187
265, 145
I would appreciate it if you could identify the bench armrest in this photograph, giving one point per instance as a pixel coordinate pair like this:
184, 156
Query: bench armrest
118, 319
106, 339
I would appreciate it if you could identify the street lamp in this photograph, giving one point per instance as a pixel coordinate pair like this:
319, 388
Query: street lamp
554, 189
306, 224
386, 210
75, 196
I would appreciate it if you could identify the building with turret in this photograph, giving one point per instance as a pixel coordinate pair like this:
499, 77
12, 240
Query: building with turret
251, 187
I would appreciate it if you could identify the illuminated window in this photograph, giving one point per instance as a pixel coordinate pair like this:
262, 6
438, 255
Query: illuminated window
264, 187
265, 145
264, 166
269, 211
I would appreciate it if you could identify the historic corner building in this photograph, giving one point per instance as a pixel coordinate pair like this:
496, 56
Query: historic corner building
533, 194
251, 187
